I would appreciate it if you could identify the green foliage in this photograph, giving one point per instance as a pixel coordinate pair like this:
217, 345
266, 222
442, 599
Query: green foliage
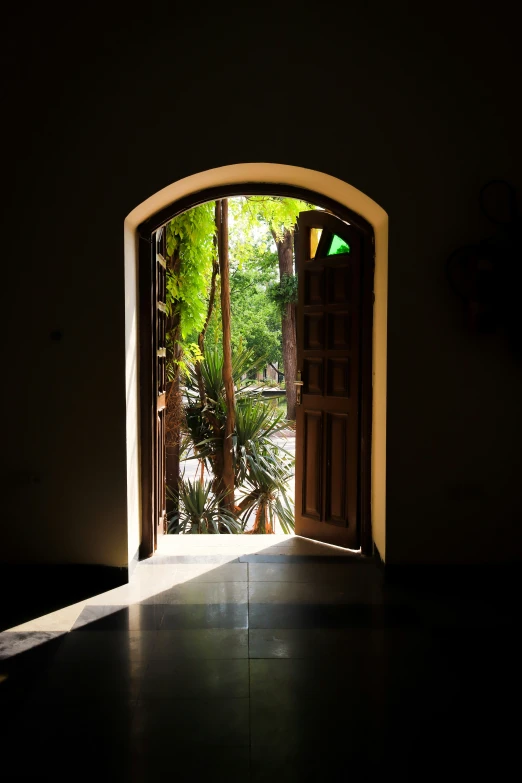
190, 353
256, 322
275, 213
265, 491
257, 422
198, 511
206, 439
262, 470
190, 237
256, 316
284, 292
212, 372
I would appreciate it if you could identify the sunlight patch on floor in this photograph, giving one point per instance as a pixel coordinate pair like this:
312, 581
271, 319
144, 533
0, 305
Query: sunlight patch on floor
246, 544
153, 576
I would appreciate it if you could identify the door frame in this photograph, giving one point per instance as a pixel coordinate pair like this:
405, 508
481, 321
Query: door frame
277, 174
146, 269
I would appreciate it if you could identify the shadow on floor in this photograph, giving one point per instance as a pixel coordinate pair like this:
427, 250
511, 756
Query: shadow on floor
268, 665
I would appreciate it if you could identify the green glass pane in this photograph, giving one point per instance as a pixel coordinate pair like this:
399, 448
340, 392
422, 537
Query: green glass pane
337, 246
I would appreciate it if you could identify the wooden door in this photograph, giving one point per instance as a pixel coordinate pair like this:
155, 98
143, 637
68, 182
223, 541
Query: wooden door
160, 385
328, 263
152, 369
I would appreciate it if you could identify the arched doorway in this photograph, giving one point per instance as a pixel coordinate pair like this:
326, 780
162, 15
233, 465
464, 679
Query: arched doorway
342, 200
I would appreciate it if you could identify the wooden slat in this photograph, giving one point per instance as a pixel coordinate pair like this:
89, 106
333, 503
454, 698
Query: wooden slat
162, 401
146, 364
161, 260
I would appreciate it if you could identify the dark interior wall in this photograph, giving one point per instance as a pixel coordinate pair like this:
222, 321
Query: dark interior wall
415, 108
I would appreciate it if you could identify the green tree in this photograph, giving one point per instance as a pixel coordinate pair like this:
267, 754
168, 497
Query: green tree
273, 219
190, 255
261, 469
256, 319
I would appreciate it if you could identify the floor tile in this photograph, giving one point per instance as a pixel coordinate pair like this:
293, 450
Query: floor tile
347, 677
78, 756
302, 769
309, 729
61, 714
14, 643
121, 647
202, 593
313, 643
312, 593
220, 721
113, 618
285, 682
171, 575
280, 615
228, 572
162, 762
115, 646
91, 681
313, 572
211, 558
59, 621
282, 556
210, 678
201, 643
193, 616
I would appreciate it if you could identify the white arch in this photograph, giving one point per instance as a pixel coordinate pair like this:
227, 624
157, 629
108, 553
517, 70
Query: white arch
278, 174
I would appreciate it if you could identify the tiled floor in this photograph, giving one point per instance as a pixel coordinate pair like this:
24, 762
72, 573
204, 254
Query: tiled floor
233, 659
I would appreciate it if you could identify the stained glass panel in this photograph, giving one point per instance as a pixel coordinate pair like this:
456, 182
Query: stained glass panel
315, 236
338, 246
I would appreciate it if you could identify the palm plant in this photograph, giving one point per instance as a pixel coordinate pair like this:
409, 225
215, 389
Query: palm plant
262, 470
199, 511
265, 490
205, 414
211, 368
256, 423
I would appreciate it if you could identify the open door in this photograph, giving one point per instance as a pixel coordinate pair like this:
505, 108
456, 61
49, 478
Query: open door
160, 383
328, 263
152, 335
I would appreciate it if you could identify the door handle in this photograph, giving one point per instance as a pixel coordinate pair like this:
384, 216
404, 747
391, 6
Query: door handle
298, 384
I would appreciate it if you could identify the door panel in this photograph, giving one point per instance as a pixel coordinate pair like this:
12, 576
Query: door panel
160, 384
337, 464
152, 339
328, 261
312, 478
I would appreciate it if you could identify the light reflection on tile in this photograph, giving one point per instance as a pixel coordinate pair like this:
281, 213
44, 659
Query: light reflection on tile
202, 593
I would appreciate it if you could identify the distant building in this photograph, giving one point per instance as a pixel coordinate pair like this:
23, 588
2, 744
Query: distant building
270, 373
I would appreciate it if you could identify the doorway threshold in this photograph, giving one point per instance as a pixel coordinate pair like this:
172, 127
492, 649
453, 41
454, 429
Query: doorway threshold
262, 548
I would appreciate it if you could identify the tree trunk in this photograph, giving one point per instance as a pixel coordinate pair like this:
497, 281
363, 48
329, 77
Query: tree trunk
228, 462
285, 252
